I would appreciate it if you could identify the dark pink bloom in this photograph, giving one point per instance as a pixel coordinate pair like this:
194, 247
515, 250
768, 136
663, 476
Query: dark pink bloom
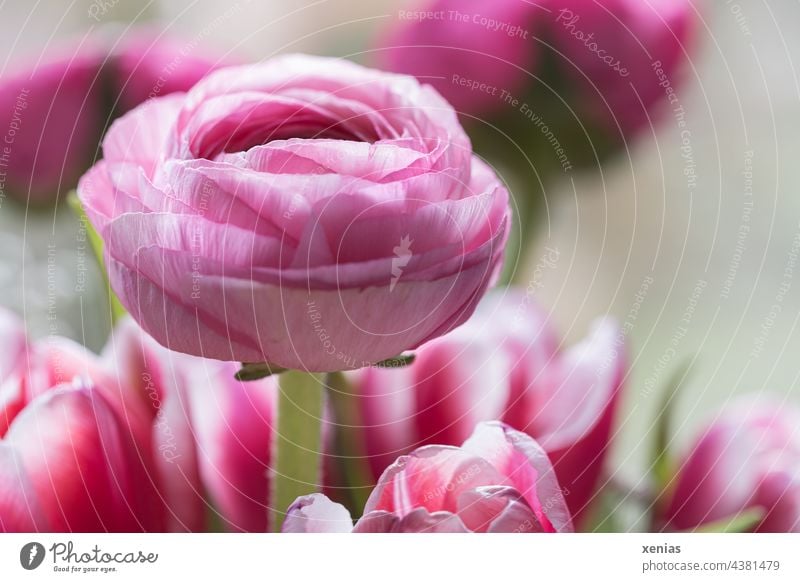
306, 212
505, 363
603, 58
498, 481
747, 457
54, 107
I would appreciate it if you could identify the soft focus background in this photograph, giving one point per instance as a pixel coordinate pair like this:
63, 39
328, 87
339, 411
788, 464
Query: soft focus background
706, 275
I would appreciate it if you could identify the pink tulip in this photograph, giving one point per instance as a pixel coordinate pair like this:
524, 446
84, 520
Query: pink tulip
500, 480
491, 58
54, 108
748, 457
211, 436
304, 212
68, 463
139, 439
506, 364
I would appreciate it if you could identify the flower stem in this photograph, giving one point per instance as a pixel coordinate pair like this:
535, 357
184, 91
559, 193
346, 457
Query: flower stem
298, 443
349, 438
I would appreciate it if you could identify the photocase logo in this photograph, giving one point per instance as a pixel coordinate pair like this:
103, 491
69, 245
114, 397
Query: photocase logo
402, 255
31, 555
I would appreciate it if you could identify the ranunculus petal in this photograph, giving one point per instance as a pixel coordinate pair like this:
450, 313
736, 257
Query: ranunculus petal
259, 198
138, 137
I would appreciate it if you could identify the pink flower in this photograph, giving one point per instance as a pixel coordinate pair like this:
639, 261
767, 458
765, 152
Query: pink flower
136, 440
500, 480
151, 64
54, 108
491, 58
459, 53
210, 434
306, 212
66, 461
505, 364
621, 56
747, 457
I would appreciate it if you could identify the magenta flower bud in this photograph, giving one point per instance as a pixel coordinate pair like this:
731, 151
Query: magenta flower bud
566, 66
54, 108
622, 57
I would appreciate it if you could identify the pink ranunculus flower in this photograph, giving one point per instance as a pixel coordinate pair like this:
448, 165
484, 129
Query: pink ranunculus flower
54, 108
498, 481
506, 363
139, 439
747, 457
622, 56
305, 212
491, 58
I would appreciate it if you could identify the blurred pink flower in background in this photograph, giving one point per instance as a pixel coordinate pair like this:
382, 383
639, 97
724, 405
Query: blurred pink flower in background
498, 481
433, 42
598, 56
615, 51
748, 457
54, 108
236, 218
138, 440
505, 363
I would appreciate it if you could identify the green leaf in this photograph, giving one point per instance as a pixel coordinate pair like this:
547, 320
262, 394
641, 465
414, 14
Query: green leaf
117, 310
663, 464
743, 522
257, 371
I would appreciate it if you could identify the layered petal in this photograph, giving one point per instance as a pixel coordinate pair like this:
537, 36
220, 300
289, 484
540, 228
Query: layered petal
254, 194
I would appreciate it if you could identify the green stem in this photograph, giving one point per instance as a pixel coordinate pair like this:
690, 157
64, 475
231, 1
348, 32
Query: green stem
117, 310
350, 441
298, 443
